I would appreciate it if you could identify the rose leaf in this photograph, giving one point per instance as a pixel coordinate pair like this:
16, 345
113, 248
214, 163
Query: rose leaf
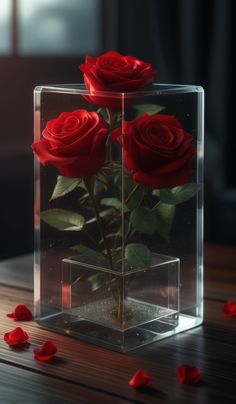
165, 216
113, 202
64, 185
156, 192
93, 256
63, 220
108, 213
144, 220
178, 194
150, 109
138, 255
97, 281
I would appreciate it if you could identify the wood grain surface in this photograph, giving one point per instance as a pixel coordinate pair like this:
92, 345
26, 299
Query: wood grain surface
84, 373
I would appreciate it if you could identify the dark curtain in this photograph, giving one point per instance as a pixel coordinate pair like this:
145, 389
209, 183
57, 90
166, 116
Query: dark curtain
188, 41
192, 41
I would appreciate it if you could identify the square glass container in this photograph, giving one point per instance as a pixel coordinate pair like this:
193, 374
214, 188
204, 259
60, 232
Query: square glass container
119, 213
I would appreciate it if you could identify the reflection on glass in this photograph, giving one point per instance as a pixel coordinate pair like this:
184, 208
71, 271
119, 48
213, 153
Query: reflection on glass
5, 26
58, 26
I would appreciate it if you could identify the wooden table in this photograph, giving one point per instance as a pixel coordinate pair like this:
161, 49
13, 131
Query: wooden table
84, 373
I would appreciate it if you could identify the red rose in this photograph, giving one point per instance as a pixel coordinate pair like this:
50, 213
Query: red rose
46, 351
74, 143
157, 150
140, 379
20, 313
229, 309
188, 374
16, 337
117, 73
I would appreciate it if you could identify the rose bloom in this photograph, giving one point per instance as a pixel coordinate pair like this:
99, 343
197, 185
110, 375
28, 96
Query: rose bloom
116, 73
74, 143
157, 150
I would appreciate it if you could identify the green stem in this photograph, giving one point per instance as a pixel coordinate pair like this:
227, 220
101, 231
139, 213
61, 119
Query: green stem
156, 205
129, 235
93, 241
99, 222
131, 193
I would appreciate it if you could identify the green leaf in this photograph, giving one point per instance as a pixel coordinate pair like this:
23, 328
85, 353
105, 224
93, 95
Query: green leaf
178, 194
98, 187
64, 185
102, 111
113, 202
165, 216
97, 281
63, 220
143, 220
100, 183
138, 255
107, 213
110, 215
93, 256
156, 192
150, 109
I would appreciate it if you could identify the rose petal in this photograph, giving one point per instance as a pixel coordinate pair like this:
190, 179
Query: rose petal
20, 313
229, 309
46, 351
188, 374
16, 337
140, 379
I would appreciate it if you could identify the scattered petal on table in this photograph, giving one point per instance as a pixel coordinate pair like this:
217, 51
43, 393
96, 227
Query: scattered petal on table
140, 379
20, 313
229, 308
17, 336
46, 351
188, 374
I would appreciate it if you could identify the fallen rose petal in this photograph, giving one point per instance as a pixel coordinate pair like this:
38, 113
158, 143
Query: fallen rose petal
140, 379
188, 374
45, 352
20, 313
16, 337
229, 308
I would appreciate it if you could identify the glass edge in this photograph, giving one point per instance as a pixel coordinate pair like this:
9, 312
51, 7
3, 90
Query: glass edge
74, 88
167, 260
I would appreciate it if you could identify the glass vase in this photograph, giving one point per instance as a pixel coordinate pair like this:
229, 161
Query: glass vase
118, 213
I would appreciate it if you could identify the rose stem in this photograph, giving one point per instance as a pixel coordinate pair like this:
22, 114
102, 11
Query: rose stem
93, 241
131, 193
156, 205
99, 223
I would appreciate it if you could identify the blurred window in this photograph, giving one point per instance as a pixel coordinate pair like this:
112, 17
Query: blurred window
5, 27
50, 27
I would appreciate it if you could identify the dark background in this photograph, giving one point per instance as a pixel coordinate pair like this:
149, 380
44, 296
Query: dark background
188, 41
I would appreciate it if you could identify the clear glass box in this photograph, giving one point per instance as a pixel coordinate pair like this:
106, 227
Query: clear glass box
118, 247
